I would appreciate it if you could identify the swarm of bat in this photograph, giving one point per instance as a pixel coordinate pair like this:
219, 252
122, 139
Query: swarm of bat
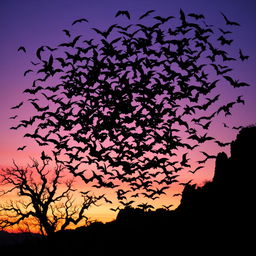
128, 100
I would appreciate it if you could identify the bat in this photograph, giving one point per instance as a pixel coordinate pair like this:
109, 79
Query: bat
146, 14
79, 21
235, 83
33, 91
242, 56
21, 148
17, 106
27, 71
196, 16
66, 32
163, 20
38, 108
125, 13
38, 52
228, 22
22, 48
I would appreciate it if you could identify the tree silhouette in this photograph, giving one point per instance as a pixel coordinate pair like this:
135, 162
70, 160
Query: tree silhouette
44, 197
130, 104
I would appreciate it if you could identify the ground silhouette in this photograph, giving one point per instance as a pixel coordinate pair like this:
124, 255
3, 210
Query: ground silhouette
215, 217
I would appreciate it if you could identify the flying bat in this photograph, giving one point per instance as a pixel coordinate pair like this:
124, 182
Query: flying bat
27, 71
242, 56
38, 52
163, 20
222, 144
33, 91
79, 21
224, 32
125, 13
146, 14
198, 168
66, 32
167, 207
13, 117
235, 83
184, 160
38, 108
196, 16
22, 48
105, 33
21, 148
228, 22
17, 106
177, 194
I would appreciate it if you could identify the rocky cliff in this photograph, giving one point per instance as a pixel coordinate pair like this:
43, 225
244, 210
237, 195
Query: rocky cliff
226, 203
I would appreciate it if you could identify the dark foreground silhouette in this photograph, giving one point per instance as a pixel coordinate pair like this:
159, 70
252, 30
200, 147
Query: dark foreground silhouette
216, 217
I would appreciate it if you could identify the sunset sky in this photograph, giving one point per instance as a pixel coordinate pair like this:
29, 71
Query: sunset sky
33, 23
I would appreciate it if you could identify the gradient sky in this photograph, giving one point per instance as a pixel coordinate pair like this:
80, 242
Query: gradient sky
34, 23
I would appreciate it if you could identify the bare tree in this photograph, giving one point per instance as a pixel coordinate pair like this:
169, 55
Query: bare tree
44, 197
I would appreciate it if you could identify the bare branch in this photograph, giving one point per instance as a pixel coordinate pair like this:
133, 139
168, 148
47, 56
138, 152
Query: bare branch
47, 198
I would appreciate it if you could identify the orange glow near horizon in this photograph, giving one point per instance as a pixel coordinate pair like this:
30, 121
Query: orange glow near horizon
102, 211
14, 83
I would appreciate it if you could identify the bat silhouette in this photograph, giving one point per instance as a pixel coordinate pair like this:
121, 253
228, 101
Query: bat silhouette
146, 14
22, 48
38, 108
183, 18
224, 41
185, 183
219, 70
105, 33
224, 32
242, 56
125, 13
235, 83
184, 160
177, 194
167, 207
17, 106
79, 21
228, 22
115, 209
27, 71
35, 63
33, 91
207, 155
38, 52
13, 117
21, 148
237, 127
67, 32
45, 157
222, 144
195, 170
71, 44
196, 16
200, 139
162, 19
240, 100
51, 49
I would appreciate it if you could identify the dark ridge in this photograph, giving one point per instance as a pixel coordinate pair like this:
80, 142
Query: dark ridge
217, 217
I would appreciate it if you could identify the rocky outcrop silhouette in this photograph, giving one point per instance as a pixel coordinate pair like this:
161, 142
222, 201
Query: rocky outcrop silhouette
225, 206
222, 210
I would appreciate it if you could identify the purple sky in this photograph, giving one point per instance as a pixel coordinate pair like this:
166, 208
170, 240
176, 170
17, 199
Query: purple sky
34, 23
